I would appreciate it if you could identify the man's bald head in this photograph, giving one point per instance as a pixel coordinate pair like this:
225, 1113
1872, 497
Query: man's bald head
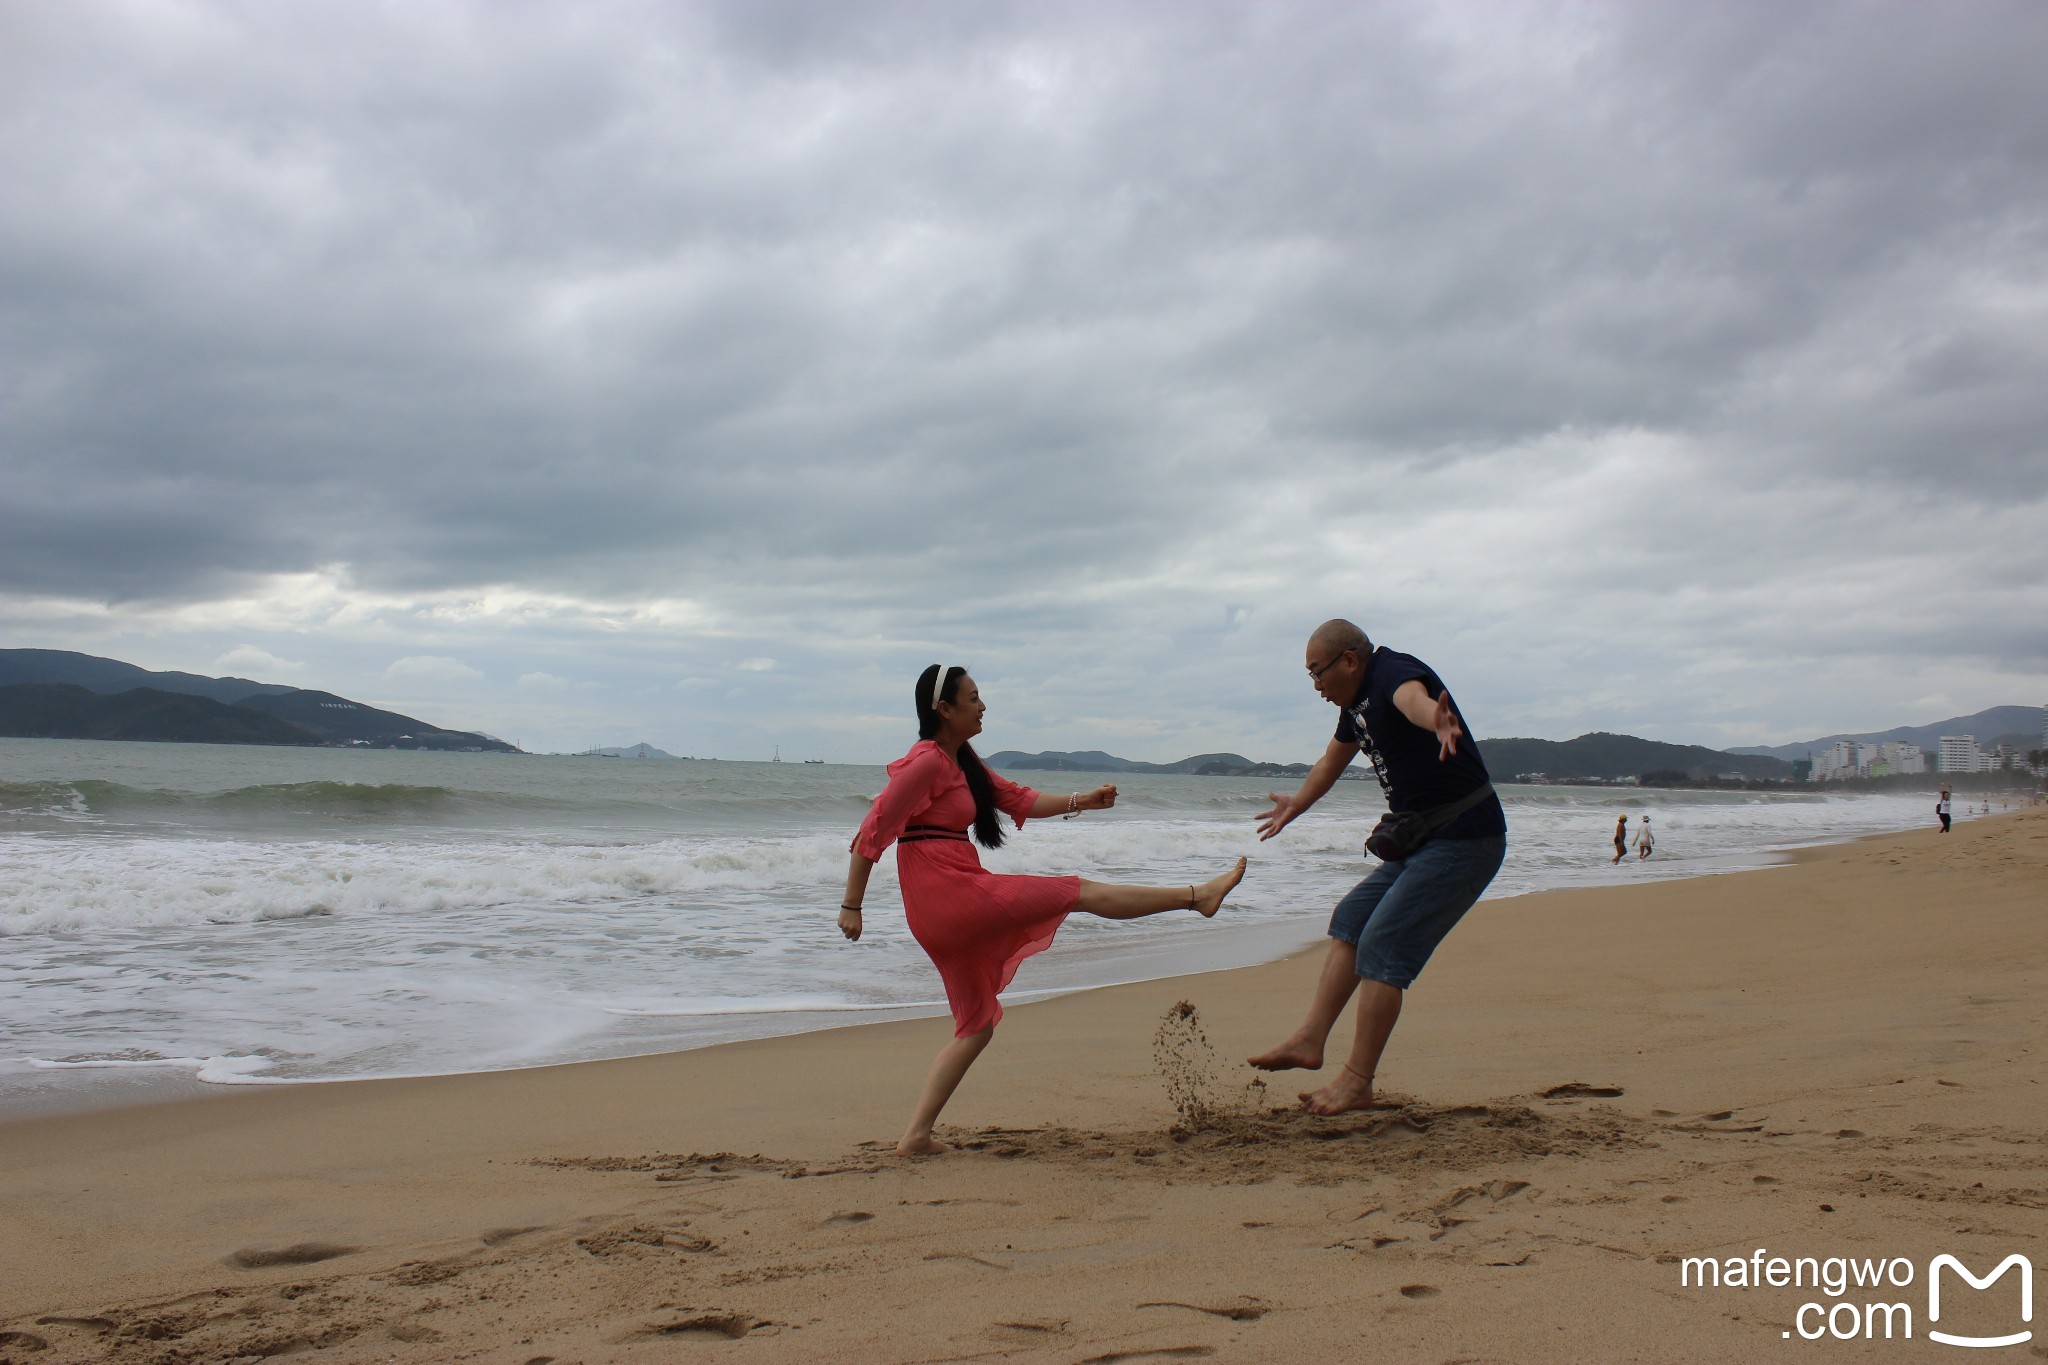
1333, 637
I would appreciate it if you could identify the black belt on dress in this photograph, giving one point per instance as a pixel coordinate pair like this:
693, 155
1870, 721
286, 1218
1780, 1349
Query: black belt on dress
915, 833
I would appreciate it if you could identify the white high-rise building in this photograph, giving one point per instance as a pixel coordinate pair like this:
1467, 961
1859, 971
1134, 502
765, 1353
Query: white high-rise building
1843, 758
1901, 757
1959, 754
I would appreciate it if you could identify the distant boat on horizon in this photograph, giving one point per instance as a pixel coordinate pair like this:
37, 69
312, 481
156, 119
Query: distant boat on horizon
814, 760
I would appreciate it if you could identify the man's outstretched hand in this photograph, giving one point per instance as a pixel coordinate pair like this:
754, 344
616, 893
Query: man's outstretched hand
1273, 821
1412, 699
1446, 727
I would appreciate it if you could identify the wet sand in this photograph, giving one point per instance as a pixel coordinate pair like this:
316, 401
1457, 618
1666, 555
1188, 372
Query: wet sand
1844, 1057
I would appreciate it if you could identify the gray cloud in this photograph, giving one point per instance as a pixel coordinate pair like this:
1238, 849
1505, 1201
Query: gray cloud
1629, 334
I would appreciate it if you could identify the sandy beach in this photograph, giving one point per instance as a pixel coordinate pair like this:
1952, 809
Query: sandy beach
1838, 1058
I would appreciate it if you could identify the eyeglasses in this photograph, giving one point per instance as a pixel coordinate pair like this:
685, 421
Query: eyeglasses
1316, 671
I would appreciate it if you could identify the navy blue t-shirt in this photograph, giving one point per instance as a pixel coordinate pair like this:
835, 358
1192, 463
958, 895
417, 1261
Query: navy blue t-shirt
1419, 779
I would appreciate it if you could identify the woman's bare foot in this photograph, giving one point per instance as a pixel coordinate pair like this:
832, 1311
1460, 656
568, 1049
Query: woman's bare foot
1346, 1091
923, 1146
1296, 1054
1209, 895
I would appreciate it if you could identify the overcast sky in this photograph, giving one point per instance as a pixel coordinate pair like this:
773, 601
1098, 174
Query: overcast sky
589, 373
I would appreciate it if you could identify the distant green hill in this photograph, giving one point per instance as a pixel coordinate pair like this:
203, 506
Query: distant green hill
1595, 755
68, 711
1096, 761
2017, 727
1607, 755
339, 720
109, 676
290, 715
641, 750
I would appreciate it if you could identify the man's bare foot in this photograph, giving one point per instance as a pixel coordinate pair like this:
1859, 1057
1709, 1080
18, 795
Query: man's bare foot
1209, 895
1296, 1054
924, 1146
1346, 1091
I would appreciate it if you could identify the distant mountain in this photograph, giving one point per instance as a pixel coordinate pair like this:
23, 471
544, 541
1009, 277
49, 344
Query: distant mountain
1607, 755
108, 676
68, 711
2000, 724
640, 750
288, 715
341, 721
1096, 761
1594, 755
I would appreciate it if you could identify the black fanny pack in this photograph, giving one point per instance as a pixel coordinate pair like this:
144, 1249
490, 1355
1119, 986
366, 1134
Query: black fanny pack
1399, 836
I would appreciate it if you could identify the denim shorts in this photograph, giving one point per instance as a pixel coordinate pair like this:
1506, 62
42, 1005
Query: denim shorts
1398, 915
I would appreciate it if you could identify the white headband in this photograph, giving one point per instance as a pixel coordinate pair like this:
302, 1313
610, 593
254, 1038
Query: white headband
938, 686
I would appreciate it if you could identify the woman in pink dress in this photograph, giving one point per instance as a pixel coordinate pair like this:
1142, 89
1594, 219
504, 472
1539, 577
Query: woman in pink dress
975, 925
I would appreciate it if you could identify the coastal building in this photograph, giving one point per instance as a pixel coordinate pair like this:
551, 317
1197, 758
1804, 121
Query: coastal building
1843, 758
1898, 757
1959, 754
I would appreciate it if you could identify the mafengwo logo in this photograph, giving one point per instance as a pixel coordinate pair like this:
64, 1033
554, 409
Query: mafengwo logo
1880, 1311
2012, 1262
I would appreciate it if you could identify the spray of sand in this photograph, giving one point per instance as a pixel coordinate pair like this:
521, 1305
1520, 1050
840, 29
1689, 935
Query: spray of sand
1189, 1068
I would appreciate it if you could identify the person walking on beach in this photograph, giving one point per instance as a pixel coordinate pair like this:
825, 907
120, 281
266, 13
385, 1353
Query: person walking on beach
976, 926
1941, 809
1645, 841
1383, 931
1620, 840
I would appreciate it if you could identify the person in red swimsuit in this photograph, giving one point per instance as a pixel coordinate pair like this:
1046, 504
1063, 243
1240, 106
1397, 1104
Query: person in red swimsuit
977, 926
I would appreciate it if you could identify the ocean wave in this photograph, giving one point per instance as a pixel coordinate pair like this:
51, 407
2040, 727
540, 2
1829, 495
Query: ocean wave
100, 800
223, 1070
49, 885
96, 796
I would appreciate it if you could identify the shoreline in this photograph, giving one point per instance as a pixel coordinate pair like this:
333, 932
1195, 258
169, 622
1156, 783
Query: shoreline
99, 1088
1840, 1053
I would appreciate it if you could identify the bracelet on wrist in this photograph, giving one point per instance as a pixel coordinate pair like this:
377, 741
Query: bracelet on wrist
854, 908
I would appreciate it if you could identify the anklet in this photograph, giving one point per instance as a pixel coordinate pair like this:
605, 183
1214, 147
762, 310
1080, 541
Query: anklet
1356, 1072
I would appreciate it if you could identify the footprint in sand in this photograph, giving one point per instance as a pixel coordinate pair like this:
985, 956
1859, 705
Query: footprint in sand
641, 1238
1419, 1291
733, 1325
850, 1216
965, 1256
299, 1253
491, 1237
1241, 1312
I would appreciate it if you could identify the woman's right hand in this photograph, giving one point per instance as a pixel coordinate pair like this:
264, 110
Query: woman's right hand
849, 924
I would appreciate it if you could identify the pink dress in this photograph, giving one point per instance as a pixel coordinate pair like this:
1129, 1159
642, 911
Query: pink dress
975, 925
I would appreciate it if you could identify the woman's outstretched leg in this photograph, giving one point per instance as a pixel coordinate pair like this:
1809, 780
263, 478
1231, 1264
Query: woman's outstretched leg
952, 1063
1134, 902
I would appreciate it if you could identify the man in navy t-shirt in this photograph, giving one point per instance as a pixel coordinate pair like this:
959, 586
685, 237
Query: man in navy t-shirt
1395, 708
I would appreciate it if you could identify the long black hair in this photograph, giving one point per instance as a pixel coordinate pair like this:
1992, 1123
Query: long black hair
988, 823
